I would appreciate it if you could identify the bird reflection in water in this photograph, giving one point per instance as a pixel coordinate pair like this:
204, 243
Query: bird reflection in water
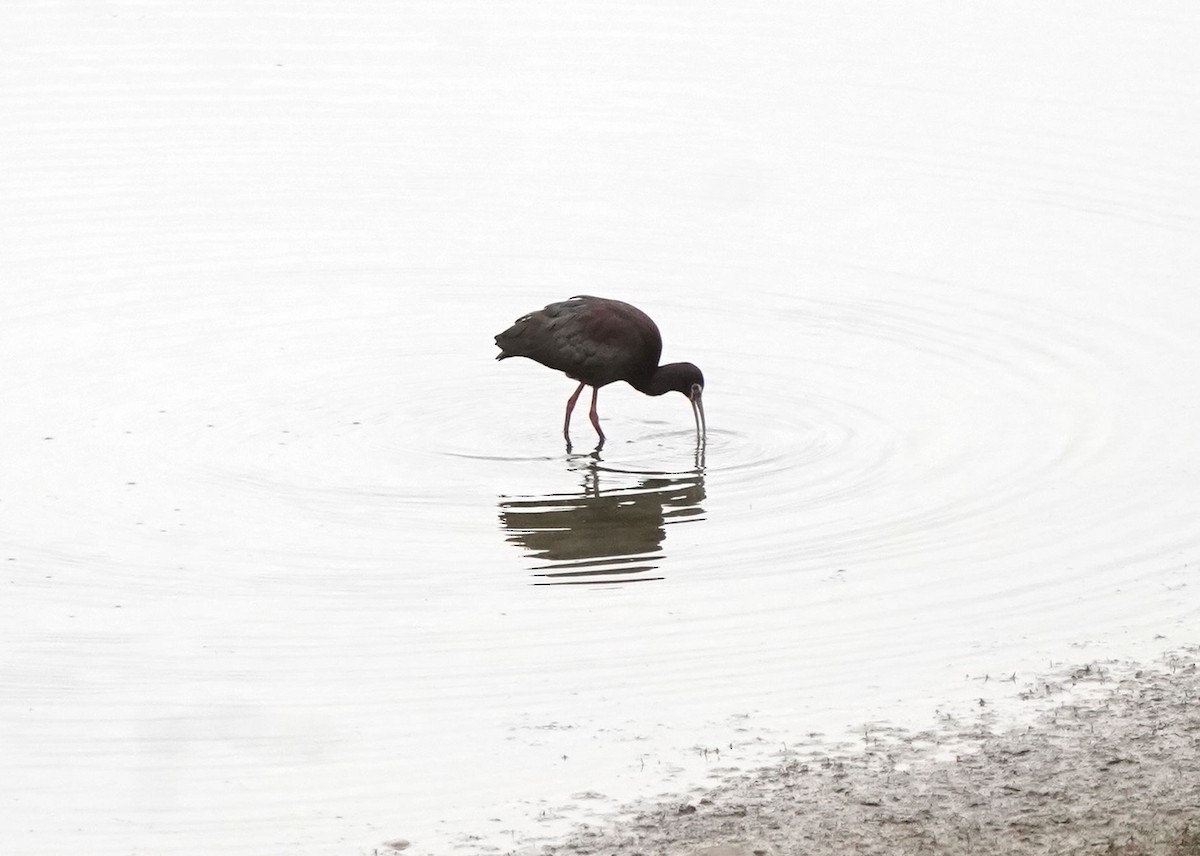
600, 535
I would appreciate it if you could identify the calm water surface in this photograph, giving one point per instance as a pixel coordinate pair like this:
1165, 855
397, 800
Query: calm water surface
291, 564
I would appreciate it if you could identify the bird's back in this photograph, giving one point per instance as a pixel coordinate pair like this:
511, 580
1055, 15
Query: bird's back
591, 339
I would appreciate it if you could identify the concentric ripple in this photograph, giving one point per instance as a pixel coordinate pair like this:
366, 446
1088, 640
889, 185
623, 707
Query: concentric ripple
930, 422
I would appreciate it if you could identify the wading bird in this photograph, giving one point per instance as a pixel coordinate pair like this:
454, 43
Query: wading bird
597, 341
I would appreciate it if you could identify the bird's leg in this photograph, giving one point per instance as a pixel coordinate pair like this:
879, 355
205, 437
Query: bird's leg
595, 417
567, 419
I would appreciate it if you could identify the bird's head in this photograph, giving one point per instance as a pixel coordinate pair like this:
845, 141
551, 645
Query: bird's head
678, 377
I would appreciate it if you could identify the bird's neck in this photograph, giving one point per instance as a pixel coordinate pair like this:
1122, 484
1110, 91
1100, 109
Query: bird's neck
664, 379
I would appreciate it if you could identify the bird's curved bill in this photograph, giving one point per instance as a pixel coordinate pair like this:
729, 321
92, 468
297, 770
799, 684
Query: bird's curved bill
698, 412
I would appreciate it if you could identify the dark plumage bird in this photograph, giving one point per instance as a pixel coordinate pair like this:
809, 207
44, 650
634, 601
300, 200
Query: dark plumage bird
597, 341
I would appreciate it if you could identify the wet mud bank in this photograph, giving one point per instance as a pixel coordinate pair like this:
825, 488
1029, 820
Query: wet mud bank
1107, 760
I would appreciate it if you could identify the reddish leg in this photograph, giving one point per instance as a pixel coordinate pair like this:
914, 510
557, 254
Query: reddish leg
567, 419
595, 417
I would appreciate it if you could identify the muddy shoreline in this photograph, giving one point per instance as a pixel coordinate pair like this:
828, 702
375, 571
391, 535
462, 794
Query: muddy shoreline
1107, 762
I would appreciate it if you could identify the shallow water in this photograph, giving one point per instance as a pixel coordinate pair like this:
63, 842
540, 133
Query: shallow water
293, 564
